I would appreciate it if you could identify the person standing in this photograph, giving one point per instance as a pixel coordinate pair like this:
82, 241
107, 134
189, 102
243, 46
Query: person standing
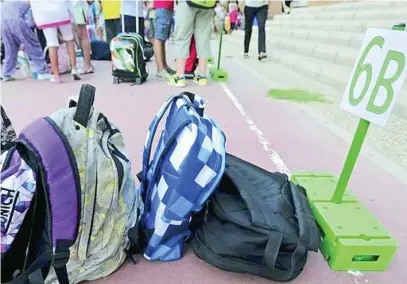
15, 32
51, 17
111, 13
192, 21
164, 11
132, 11
79, 12
255, 9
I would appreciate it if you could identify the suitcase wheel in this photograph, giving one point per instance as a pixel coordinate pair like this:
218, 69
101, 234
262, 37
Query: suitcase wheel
137, 81
116, 80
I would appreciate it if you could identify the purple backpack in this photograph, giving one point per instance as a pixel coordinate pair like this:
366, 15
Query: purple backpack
40, 198
68, 198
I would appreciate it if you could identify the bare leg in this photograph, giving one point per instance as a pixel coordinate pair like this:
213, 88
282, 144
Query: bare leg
202, 66
181, 66
71, 52
159, 54
72, 58
53, 56
85, 45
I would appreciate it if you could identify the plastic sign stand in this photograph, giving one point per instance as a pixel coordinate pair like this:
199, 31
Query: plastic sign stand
352, 238
218, 74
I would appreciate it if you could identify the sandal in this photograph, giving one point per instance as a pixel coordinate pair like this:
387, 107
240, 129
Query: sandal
90, 70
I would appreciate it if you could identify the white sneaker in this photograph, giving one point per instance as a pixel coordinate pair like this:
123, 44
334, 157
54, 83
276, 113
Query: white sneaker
43, 77
163, 75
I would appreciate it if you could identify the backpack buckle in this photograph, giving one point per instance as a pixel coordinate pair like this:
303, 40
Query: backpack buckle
61, 258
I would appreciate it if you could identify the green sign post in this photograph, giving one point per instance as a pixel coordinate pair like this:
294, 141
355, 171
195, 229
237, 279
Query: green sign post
352, 238
218, 74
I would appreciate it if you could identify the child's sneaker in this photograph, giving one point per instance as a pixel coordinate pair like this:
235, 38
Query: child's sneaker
200, 80
163, 75
42, 77
8, 78
177, 81
75, 73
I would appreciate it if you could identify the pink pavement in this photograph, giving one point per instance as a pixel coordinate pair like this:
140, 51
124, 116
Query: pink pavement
302, 143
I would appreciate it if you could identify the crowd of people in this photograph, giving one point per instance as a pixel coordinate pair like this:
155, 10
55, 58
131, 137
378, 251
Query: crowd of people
32, 26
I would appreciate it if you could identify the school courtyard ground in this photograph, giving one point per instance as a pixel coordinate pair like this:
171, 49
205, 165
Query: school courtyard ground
275, 134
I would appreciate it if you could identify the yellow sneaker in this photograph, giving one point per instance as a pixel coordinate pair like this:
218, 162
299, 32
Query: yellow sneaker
177, 81
200, 80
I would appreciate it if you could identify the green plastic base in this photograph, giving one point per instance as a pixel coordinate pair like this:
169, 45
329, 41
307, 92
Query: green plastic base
219, 75
211, 60
352, 238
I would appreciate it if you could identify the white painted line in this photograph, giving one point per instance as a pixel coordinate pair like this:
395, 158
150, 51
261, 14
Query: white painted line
274, 156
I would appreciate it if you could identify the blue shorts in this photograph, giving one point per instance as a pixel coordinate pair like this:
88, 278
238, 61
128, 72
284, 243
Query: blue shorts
162, 23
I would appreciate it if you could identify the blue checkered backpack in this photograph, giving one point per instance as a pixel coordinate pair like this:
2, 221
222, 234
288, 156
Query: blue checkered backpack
188, 164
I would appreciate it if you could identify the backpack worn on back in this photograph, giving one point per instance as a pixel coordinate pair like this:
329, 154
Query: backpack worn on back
257, 222
187, 166
128, 58
68, 198
203, 4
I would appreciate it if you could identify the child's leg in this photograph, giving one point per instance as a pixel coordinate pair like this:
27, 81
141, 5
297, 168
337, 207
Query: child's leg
33, 49
51, 35
68, 37
71, 52
11, 47
85, 44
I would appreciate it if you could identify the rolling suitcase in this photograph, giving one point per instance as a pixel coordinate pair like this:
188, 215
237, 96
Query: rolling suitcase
128, 59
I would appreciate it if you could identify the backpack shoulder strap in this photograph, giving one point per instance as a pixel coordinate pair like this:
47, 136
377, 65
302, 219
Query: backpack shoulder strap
52, 157
188, 98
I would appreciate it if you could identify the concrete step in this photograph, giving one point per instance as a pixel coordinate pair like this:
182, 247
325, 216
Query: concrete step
346, 39
354, 26
326, 73
369, 14
354, 6
324, 51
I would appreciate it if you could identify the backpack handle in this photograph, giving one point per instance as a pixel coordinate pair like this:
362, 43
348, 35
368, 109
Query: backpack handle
271, 254
197, 102
193, 100
84, 104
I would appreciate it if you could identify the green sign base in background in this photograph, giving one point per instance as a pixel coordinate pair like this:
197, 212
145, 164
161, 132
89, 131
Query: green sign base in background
352, 238
211, 60
218, 75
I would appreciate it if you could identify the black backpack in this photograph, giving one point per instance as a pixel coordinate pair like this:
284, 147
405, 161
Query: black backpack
257, 222
100, 50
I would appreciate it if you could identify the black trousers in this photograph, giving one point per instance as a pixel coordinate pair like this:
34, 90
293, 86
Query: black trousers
130, 25
112, 28
260, 14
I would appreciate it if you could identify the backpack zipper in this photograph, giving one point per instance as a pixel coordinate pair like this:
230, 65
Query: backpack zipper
93, 213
